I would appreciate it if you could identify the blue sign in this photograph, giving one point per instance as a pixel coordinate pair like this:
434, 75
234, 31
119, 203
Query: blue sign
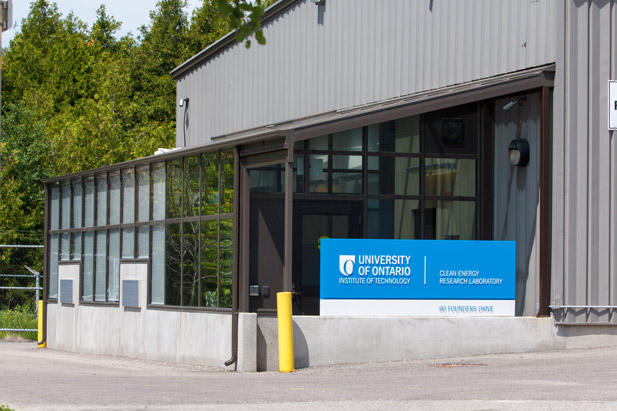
417, 269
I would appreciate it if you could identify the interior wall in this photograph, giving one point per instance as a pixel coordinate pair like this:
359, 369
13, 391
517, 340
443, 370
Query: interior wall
516, 190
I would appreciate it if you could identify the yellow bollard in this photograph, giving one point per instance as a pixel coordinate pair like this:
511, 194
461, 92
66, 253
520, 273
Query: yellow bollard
286, 339
41, 343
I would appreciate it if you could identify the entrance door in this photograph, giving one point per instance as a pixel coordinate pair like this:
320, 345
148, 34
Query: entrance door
312, 222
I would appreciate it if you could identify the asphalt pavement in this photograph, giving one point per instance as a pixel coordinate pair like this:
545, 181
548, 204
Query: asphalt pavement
45, 379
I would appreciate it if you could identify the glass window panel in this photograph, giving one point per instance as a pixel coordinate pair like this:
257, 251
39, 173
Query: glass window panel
450, 220
174, 188
226, 262
65, 251
268, 179
453, 130
53, 266
128, 196
143, 241
173, 279
400, 136
55, 206
299, 174
76, 246
349, 140
158, 191
113, 288
100, 266
227, 178
88, 274
157, 290
319, 143
66, 205
101, 200
210, 184
318, 173
114, 197
450, 177
190, 264
89, 202
347, 162
143, 193
191, 186
347, 183
77, 203
393, 219
299, 145
128, 243
394, 175
209, 263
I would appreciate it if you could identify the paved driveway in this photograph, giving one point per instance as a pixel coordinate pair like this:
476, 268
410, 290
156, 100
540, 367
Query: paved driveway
45, 379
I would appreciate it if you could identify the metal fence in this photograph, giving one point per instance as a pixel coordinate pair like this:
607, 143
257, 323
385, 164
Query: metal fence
20, 285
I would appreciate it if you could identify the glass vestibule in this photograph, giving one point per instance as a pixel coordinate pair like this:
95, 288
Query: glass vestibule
416, 176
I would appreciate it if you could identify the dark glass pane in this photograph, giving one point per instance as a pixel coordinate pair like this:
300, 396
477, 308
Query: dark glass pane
77, 192
114, 197
209, 263
226, 262
100, 263
173, 279
394, 175
53, 266
450, 177
143, 193
399, 136
349, 140
299, 174
393, 219
101, 200
190, 264
88, 276
89, 202
157, 283
174, 188
128, 196
66, 205
319, 143
76, 246
454, 130
191, 186
55, 207
318, 173
268, 179
299, 145
210, 184
227, 178
158, 191
128, 243
113, 284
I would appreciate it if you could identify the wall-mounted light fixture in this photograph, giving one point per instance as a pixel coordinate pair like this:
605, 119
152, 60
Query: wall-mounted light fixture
521, 101
519, 152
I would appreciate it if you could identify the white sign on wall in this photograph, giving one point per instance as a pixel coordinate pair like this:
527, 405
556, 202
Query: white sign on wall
612, 104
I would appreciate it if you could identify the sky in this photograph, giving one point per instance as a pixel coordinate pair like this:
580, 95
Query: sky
132, 13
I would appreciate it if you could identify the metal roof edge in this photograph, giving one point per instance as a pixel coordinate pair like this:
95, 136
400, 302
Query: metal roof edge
229, 39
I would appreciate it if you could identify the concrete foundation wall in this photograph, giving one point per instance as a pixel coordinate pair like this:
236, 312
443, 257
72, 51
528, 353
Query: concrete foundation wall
332, 340
163, 335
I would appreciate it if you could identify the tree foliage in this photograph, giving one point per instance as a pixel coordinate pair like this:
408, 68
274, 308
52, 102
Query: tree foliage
77, 97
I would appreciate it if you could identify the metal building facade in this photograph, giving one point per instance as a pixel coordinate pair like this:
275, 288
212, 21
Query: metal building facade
584, 231
348, 53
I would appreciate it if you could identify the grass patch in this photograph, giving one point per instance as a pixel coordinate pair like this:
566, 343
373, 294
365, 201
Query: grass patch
5, 408
20, 317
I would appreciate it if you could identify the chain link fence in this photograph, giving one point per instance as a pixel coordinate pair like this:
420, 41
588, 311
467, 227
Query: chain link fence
21, 284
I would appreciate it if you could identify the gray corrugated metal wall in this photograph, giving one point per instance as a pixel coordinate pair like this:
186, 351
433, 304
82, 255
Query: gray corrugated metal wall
517, 189
584, 230
353, 52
